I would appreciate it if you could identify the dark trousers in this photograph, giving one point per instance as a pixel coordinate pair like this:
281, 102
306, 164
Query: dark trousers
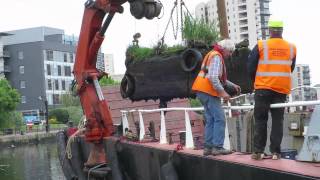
263, 99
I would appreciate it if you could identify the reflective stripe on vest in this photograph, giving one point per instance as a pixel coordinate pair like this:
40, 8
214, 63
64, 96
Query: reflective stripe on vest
266, 60
274, 66
281, 74
202, 83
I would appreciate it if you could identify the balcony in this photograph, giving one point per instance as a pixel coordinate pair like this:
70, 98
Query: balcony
265, 12
6, 54
242, 8
243, 17
306, 70
306, 82
306, 76
242, 2
243, 25
244, 36
6, 69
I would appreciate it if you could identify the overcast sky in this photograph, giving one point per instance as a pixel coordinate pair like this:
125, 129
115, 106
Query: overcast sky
300, 18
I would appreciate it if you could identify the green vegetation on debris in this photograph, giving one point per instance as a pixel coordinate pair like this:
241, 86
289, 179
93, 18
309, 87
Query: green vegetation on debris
199, 31
195, 32
172, 50
140, 53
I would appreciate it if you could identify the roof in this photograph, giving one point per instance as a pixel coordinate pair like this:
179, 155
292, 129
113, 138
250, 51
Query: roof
5, 34
175, 121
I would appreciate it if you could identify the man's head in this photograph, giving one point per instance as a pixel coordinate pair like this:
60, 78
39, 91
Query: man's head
275, 28
225, 47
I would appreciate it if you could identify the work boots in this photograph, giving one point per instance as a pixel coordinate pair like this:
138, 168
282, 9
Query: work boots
207, 151
216, 151
257, 156
220, 151
276, 156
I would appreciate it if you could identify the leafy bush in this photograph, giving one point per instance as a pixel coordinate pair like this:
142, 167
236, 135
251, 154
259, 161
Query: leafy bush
53, 121
75, 114
195, 102
61, 115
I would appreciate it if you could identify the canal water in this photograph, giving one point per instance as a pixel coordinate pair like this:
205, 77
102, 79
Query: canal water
31, 162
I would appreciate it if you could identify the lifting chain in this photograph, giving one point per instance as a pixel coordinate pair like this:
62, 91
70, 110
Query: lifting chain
175, 29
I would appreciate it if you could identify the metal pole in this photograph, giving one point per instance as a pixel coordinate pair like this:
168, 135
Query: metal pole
46, 115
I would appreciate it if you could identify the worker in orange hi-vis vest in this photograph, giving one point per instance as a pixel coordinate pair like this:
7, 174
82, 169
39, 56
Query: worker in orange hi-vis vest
209, 87
270, 65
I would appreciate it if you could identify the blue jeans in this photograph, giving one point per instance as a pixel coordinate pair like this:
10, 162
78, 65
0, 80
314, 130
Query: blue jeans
215, 120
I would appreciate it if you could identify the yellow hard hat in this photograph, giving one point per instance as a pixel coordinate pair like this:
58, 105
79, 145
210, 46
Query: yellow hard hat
275, 24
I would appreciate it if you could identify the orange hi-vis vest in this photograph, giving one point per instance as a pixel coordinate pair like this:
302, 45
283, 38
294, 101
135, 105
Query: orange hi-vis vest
274, 67
202, 83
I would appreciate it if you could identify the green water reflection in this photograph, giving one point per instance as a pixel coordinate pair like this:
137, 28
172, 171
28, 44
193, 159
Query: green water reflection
30, 162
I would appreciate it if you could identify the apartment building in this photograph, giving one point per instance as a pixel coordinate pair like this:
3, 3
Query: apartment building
109, 64
301, 77
242, 19
318, 91
4, 55
39, 63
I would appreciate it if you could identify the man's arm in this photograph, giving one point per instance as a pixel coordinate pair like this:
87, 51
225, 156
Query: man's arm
252, 62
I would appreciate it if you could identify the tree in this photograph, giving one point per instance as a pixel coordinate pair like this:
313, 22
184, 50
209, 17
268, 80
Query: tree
9, 100
70, 100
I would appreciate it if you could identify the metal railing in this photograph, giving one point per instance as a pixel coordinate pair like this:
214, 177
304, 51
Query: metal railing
189, 135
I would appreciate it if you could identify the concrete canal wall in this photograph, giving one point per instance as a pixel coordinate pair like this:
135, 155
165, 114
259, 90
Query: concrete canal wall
33, 138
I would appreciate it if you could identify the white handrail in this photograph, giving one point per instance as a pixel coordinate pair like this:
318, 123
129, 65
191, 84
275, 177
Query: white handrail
163, 130
189, 138
298, 87
277, 105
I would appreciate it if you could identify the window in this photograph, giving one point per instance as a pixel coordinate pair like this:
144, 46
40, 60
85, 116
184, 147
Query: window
65, 57
63, 85
20, 55
23, 99
49, 55
21, 69
56, 98
49, 84
56, 84
71, 57
67, 70
59, 70
48, 69
22, 84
